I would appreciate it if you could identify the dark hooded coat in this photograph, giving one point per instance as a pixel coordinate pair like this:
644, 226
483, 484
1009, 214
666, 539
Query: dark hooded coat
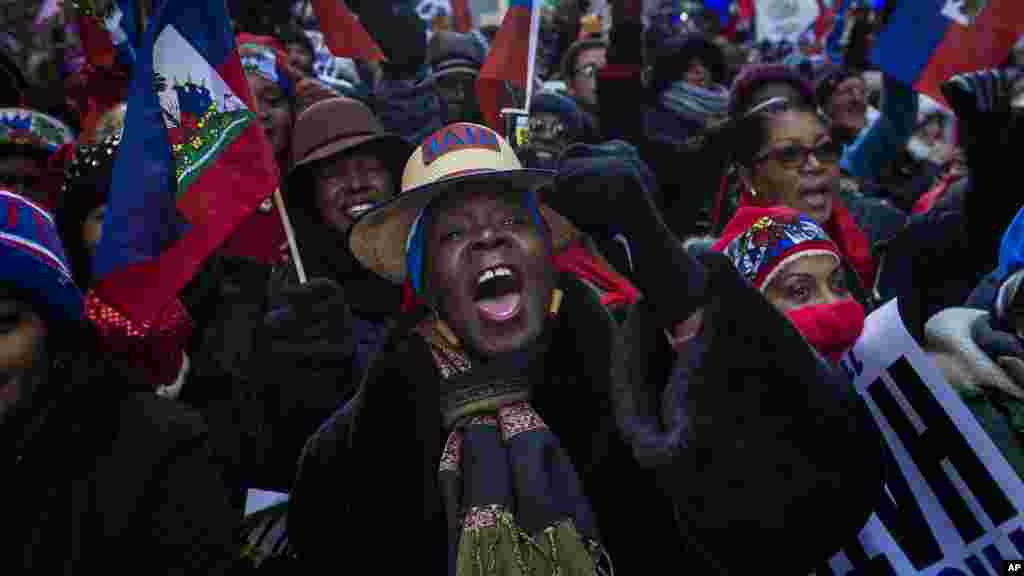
744, 488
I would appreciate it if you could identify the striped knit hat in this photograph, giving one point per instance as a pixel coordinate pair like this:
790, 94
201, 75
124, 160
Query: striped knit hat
32, 258
761, 241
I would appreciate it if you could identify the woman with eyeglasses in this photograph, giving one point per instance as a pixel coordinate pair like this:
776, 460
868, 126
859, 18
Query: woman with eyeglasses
785, 156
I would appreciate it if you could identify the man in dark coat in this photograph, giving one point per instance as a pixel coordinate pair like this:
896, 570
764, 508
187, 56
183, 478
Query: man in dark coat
555, 448
97, 473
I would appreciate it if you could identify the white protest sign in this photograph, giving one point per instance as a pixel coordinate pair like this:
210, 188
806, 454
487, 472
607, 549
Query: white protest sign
952, 505
784, 19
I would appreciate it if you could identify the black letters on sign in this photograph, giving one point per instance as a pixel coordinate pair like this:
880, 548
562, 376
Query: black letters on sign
901, 513
941, 440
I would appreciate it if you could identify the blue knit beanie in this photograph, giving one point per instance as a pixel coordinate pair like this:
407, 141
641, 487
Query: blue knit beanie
32, 258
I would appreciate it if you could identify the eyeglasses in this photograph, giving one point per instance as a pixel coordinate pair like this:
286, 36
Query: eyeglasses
588, 71
796, 155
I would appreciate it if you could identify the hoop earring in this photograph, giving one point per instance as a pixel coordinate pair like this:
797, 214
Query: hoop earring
556, 302
753, 191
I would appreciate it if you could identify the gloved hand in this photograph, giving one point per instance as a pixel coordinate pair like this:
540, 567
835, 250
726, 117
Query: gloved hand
312, 331
982, 91
1005, 349
604, 188
607, 190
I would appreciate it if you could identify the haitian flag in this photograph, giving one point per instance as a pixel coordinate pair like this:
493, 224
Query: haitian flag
927, 41
193, 162
511, 59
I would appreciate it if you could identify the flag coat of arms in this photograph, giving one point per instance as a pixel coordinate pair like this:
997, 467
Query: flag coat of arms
928, 41
193, 163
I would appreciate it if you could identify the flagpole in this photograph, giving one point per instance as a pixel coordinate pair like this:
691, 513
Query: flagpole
532, 53
293, 246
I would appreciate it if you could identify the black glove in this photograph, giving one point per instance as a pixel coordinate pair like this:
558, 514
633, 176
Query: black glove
312, 331
982, 91
607, 190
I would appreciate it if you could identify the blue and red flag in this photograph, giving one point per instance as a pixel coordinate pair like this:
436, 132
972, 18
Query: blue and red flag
193, 161
927, 41
344, 35
510, 59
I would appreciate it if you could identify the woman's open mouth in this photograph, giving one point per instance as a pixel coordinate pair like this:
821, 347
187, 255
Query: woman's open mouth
498, 293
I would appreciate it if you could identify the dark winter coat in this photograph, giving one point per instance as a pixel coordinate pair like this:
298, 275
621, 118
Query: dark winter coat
105, 478
773, 436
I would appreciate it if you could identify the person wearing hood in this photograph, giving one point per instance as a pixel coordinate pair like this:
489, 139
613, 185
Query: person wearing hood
99, 469
29, 140
556, 122
522, 428
686, 80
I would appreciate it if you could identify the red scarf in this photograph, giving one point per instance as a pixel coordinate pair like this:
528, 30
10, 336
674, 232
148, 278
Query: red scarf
831, 329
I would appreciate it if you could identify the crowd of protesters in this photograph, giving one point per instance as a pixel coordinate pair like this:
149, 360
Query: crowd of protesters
631, 322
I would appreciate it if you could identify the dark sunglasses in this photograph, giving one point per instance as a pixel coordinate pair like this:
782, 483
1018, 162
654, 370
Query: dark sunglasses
793, 155
796, 155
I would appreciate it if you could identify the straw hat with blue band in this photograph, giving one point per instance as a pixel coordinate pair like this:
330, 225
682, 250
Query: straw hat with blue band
457, 154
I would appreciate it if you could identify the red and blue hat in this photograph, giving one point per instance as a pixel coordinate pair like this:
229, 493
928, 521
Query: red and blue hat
32, 257
760, 242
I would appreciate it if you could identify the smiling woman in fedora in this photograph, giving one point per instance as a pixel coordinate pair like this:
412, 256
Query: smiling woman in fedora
498, 425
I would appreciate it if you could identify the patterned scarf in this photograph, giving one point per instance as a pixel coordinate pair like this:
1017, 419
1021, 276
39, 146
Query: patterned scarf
698, 105
514, 502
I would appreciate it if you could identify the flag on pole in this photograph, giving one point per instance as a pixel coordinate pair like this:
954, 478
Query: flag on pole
927, 42
511, 59
344, 35
193, 162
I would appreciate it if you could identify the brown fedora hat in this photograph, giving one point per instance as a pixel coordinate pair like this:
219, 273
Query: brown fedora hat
338, 124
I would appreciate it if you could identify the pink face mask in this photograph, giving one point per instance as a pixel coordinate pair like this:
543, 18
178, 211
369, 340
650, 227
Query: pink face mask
831, 329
